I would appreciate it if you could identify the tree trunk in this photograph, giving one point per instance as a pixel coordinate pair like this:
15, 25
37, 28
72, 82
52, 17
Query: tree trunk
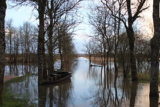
154, 68
134, 88
60, 49
42, 96
3, 7
1, 95
131, 37
61, 57
155, 51
10, 46
89, 59
50, 49
50, 36
42, 74
154, 102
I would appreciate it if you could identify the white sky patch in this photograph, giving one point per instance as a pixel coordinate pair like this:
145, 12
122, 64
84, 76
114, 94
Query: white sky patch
82, 37
80, 41
79, 46
21, 14
146, 22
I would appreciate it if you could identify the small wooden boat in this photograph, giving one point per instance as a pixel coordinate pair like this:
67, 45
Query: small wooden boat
96, 65
58, 77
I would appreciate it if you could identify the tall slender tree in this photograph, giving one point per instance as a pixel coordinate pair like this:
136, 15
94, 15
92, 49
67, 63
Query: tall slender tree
154, 43
3, 7
133, 10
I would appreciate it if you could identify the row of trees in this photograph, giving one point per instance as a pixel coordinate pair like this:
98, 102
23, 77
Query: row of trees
21, 43
121, 52
110, 20
53, 35
55, 22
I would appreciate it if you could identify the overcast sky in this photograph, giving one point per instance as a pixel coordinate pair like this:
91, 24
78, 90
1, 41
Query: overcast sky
19, 15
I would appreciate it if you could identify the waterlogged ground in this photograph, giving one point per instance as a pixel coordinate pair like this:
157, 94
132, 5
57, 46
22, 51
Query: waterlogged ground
89, 87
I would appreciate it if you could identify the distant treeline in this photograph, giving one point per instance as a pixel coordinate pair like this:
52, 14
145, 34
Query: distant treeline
28, 58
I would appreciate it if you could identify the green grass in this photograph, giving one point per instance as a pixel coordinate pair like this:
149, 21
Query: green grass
18, 79
145, 77
9, 100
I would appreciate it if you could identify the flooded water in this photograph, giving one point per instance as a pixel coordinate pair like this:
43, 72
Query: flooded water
89, 87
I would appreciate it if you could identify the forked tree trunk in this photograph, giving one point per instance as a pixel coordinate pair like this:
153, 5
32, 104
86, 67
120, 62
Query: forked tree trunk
3, 7
155, 51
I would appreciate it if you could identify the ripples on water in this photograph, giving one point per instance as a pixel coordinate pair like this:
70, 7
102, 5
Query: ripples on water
89, 87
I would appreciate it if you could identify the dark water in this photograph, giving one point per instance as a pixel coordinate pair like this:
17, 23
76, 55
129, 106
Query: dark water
89, 87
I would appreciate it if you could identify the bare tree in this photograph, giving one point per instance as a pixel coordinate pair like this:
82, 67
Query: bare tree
49, 14
100, 20
56, 11
65, 46
131, 10
68, 50
89, 49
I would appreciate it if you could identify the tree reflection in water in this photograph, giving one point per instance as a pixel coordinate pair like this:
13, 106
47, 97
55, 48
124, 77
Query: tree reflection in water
1, 94
113, 90
134, 87
89, 87
154, 102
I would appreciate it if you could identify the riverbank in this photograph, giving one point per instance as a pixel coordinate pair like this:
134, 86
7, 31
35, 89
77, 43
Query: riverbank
99, 60
8, 78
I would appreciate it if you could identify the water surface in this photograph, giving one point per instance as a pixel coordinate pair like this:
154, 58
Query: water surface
89, 87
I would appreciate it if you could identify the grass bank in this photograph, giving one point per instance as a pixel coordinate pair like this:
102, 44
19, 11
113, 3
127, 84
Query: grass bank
10, 99
145, 77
